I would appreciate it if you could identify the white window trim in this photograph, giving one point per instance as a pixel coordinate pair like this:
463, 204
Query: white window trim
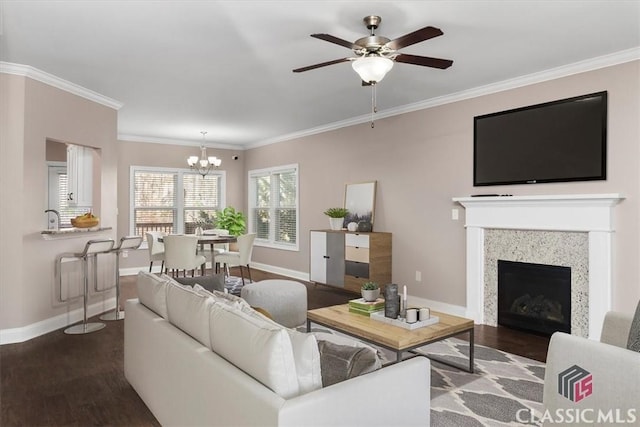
271, 243
179, 194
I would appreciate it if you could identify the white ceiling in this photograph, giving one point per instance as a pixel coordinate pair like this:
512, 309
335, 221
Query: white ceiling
180, 67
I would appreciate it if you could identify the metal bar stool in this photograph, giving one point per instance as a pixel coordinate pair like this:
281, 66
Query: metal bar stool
126, 243
91, 250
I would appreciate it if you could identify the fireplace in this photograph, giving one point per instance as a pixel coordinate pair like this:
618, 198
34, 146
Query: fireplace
534, 297
573, 213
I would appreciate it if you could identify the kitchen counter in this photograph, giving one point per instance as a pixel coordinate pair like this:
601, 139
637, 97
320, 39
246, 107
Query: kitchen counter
65, 233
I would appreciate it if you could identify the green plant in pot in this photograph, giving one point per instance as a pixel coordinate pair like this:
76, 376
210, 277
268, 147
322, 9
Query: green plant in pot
336, 217
370, 291
231, 220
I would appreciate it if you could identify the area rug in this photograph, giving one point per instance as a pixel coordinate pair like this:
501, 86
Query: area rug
233, 284
502, 387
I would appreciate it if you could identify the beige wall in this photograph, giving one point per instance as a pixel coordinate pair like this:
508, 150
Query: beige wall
170, 156
32, 112
424, 158
420, 160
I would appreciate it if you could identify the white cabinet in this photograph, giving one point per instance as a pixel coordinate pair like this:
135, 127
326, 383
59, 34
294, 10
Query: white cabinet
79, 175
327, 258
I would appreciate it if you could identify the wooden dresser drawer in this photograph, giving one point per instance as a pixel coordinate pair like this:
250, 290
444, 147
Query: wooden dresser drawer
357, 269
356, 254
357, 240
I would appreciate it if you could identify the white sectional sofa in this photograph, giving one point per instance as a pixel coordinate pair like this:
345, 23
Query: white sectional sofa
243, 370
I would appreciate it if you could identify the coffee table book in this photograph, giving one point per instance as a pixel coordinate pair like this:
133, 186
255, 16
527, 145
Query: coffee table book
356, 310
369, 306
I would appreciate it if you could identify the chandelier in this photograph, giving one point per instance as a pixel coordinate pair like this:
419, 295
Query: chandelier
203, 164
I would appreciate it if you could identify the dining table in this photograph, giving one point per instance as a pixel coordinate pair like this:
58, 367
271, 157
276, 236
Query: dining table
211, 239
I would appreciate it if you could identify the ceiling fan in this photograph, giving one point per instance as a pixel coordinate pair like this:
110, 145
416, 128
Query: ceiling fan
375, 54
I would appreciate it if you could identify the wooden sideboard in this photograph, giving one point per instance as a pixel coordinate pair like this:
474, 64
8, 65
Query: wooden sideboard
346, 259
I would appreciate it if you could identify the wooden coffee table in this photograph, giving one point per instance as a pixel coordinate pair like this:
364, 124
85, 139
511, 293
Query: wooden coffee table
392, 337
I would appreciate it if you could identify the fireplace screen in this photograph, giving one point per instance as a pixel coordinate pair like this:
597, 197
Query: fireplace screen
534, 297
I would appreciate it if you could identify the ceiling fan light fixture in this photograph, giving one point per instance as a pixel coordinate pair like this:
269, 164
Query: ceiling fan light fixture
372, 68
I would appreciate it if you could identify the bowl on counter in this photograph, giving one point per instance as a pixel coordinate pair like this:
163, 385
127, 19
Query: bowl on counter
84, 222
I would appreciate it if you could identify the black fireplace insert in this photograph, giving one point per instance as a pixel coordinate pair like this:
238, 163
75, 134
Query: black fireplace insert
534, 297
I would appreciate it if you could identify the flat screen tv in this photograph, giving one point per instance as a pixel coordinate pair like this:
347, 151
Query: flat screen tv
557, 141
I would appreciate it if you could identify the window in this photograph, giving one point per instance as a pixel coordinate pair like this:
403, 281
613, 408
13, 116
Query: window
58, 191
273, 206
157, 205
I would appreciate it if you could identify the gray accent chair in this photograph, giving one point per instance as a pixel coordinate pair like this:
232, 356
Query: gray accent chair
615, 373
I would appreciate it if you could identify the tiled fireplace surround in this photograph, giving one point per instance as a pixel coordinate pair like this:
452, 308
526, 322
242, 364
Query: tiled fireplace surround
568, 230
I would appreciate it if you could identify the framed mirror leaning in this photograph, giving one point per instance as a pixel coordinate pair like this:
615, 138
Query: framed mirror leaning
360, 200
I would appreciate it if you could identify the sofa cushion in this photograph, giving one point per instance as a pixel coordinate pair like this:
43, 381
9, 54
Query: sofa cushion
152, 292
189, 311
259, 348
222, 297
305, 353
210, 283
633, 343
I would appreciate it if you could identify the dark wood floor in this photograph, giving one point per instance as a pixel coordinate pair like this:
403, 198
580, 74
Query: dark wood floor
78, 380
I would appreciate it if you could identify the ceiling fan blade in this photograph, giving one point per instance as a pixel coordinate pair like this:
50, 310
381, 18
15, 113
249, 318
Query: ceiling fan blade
322, 64
424, 61
331, 39
417, 36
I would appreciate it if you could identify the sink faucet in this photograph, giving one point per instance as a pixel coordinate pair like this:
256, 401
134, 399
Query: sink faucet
54, 223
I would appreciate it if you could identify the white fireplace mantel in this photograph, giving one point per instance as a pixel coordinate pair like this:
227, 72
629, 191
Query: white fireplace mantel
590, 213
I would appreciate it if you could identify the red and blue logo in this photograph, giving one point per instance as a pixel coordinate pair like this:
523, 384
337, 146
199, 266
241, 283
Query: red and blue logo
575, 383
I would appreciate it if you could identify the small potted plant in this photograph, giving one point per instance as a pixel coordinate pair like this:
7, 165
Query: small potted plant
370, 291
336, 217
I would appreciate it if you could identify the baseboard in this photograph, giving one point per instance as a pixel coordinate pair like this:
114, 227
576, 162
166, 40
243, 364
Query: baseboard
25, 333
294, 274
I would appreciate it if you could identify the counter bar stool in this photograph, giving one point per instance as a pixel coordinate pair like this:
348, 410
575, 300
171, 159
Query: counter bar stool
91, 250
126, 243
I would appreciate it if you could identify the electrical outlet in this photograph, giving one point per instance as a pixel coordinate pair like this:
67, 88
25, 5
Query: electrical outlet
418, 276
454, 214
125, 254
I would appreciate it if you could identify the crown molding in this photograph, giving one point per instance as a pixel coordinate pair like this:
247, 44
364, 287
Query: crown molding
604, 61
57, 82
184, 143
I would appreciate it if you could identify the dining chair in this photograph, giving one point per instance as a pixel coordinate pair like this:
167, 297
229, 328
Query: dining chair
156, 248
218, 248
180, 253
241, 258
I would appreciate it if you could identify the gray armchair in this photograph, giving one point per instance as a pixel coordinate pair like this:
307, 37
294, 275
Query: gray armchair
614, 387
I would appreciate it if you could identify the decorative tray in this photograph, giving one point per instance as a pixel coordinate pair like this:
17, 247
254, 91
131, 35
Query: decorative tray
380, 317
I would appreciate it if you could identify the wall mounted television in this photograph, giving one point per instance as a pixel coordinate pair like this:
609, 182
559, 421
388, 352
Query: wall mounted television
557, 141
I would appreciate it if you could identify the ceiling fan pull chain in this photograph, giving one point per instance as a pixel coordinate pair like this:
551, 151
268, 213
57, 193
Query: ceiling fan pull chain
373, 103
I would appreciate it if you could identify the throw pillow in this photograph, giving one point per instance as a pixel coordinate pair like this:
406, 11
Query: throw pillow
633, 343
341, 362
